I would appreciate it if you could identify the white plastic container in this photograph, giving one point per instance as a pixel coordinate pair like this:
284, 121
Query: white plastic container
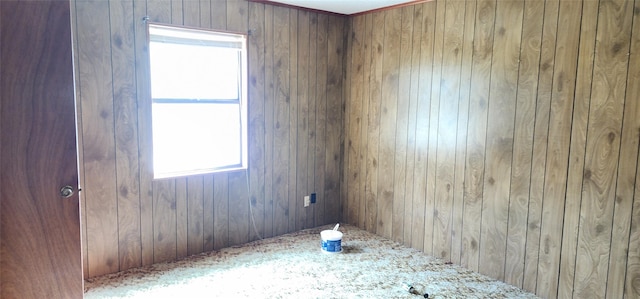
331, 241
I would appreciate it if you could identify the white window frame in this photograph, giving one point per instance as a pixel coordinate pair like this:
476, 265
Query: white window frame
162, 33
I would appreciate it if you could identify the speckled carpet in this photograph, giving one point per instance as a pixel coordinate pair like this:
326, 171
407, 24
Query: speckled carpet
294, 266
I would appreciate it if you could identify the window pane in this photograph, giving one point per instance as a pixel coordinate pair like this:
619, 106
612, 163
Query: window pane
180, 71
189, 137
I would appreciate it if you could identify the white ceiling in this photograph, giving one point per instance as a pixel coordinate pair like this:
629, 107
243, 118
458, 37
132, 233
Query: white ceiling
345, 7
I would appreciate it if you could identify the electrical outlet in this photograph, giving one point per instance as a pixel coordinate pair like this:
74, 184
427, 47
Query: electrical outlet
307, 201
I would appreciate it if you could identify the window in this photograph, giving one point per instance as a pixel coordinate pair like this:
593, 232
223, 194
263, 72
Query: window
198, 98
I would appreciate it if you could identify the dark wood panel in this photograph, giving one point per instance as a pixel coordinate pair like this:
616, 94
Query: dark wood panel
39, 230
289, 96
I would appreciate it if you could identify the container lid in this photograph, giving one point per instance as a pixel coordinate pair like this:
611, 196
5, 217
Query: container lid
331, 235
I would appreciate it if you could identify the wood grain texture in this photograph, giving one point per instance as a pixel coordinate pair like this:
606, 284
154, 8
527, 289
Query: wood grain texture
476, 138
518, 143
99, 169
388, 114
355, 125
434, 110
631, 287
500, 135
610, 68
447, 128
422, 125
321, 120
540, 213
414, 61
142, 220
39, 231
257, 82
313, 96
540, 138
126, 141
523, 141
577, 150
335, 136
461, 134
402, 130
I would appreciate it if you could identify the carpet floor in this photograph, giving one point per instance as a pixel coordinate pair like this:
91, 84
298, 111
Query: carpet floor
294, 266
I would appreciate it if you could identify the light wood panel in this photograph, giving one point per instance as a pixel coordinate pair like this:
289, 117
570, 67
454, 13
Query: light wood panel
499, 142
388, 115
295, 88
595, 264
524, 142
476, 136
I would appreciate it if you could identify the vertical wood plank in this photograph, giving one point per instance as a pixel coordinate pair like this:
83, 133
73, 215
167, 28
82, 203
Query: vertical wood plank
268, 120
99, 151
207, 211
364, 136
422, 125
239, 219
388, 115
500, 130
402, 122
449, 86
602, 152
205, 15
321, 118
218, 14
523, 141
312, 167
281, 120
412, 121
558, 148
302, 146
461, 135
354, 136
220, 211
293, 120
541, 127
476, 138
577, 150
334, 119
195, 214
374, 121
144, 125
432, 154
631, 287
257, 118
126, 137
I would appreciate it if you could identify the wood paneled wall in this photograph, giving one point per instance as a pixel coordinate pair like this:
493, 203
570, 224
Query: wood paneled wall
502, 136
296, 71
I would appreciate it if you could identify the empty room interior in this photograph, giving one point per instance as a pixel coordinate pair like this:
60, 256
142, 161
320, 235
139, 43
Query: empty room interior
501, 136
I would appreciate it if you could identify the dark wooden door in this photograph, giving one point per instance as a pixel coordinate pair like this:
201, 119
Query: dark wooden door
40, 232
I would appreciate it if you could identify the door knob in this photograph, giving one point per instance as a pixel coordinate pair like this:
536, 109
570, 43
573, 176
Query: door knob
66, 191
